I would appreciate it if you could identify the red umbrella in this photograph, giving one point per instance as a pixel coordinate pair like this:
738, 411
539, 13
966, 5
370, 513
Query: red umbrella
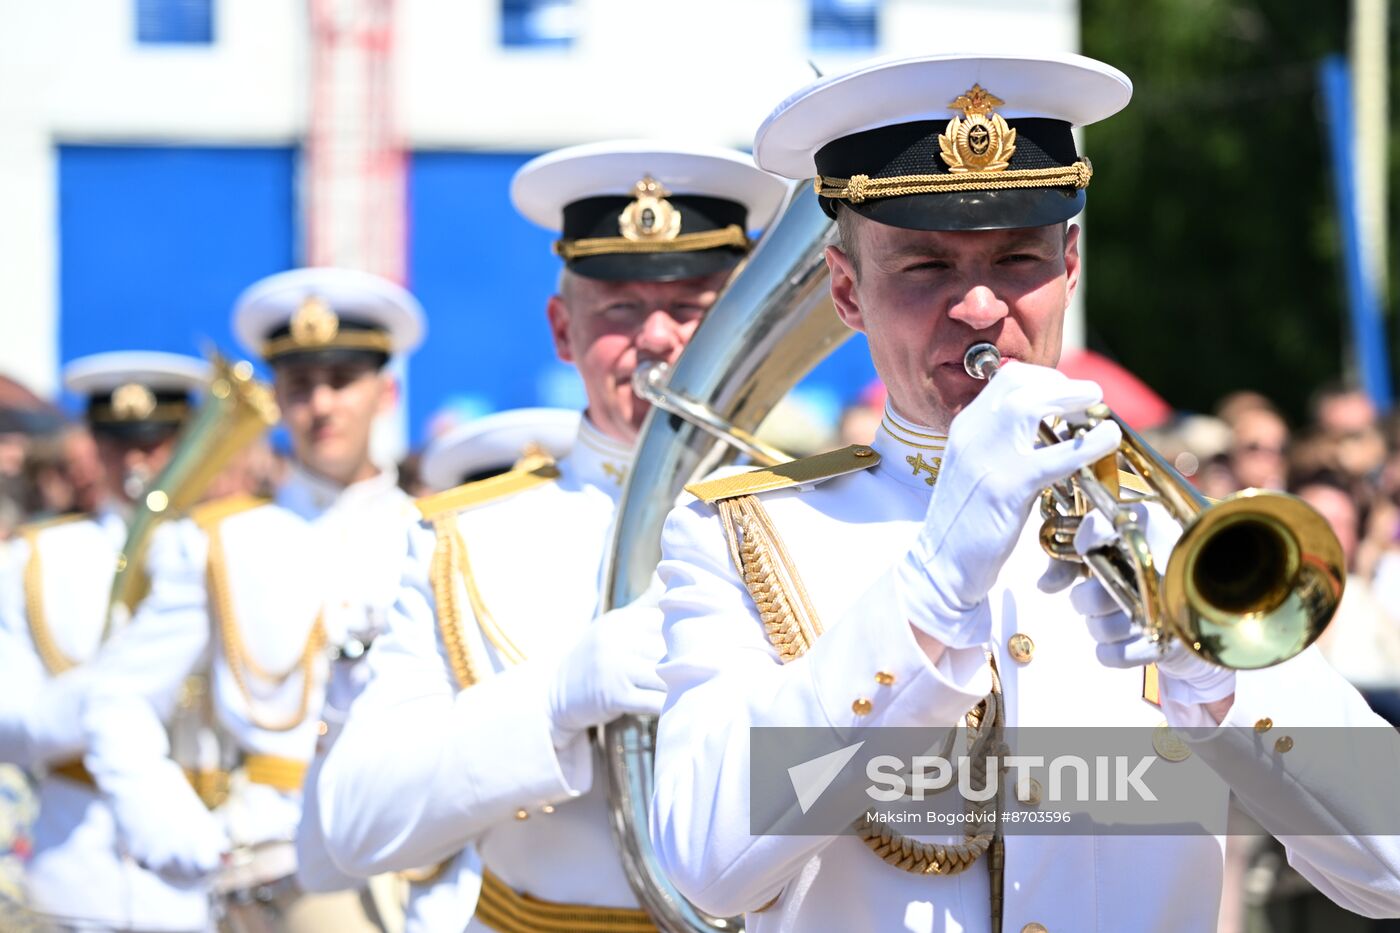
1128, 396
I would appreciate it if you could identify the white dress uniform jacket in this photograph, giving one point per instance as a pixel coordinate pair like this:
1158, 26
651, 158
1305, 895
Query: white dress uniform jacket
302, 572
424, 769
62, 573
844, 536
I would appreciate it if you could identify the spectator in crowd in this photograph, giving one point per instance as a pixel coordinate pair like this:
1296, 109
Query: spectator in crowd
1363, 641
1232, 406
1258, 448
1347, 418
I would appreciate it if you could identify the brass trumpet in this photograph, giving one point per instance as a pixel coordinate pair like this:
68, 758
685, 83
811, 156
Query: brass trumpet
1253, 580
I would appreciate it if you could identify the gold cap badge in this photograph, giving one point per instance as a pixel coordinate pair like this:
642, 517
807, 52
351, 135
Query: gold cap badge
982, 142
650, 217
314, 324
132, 402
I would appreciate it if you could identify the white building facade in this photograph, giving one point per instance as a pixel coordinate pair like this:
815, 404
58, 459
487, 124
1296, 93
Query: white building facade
153, 154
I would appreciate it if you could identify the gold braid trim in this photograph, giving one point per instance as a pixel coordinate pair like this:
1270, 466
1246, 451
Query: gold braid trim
373, 340
449, 611
240, 662
504, 909
732, 235
792, 627
103, 413
860, 188
44, 643
284, 774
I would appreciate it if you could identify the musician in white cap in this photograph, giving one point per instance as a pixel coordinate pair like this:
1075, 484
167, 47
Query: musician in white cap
54, 585
899, 580
474, 728
490, 445
248, 597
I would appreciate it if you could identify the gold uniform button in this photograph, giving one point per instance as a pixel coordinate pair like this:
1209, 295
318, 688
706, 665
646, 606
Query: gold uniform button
1034, 928
884, 678
862, 707
862, 452
1032, 795
522, 814
547, 809
1284, 744
1264, 725
322, 728
1022, 648
1168, 744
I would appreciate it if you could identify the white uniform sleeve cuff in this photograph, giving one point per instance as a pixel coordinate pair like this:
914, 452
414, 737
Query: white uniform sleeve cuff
869, 671
922, 605
511, 711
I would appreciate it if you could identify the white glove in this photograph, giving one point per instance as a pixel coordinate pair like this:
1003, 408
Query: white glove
1185, 677
164, 825
991, 476
609, 672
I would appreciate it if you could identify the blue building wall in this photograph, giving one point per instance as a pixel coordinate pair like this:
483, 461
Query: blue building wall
156, 242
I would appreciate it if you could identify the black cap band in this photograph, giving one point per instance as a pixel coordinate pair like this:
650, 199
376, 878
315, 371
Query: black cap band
914, 174
656, 238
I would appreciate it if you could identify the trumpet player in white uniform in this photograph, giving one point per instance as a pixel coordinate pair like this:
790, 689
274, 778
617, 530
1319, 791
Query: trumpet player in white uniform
205, 712
55, 579
903, 584
473, 730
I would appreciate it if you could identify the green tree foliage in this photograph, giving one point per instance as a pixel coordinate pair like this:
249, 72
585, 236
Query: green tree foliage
1213, 261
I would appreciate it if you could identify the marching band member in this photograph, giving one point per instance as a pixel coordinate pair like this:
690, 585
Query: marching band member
953, 178
54, 586
473, 730
492, 444
481, 448
247, 598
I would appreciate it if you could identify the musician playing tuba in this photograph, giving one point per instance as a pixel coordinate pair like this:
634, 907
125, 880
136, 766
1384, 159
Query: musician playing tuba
54, 583
899, 581
205, 712
468, 755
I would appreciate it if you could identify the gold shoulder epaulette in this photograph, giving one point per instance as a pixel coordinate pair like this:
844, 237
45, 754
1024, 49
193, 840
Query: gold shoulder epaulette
527, 475
802, 472
33, 528
214, 512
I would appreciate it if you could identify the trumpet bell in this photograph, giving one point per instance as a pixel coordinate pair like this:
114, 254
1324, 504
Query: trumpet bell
1254, 580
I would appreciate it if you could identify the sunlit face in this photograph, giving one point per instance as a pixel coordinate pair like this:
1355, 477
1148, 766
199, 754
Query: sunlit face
1339, 510
607, 328
329, 409
130, 465
1257, 450
923, 297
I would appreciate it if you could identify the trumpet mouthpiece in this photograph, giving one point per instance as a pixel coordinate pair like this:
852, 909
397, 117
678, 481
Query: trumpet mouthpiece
982, 360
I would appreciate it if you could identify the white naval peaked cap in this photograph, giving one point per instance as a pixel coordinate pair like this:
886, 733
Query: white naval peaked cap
137, 394
1071, 88
494, 443
100, 373
648, 210
979, 141
545, 185
324, 308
